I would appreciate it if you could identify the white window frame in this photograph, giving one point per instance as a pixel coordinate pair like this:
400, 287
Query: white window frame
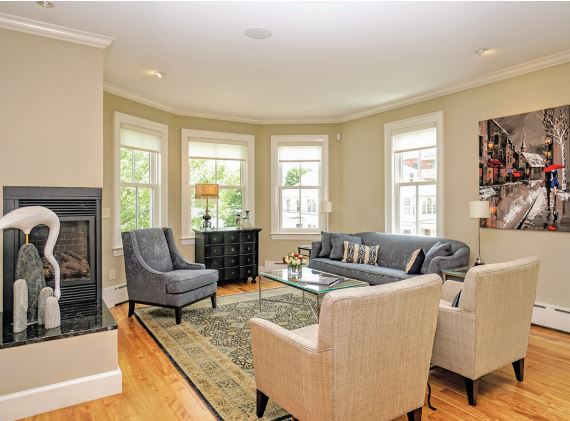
391, 196
160, 202
297, 234
188, 236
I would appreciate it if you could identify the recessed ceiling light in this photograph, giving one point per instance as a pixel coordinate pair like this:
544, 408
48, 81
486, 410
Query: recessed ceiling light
46, 4
159, 75
258, 33
482, 52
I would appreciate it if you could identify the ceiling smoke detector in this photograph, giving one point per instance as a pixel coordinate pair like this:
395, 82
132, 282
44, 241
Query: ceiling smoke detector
46, 4
482, 52
258, 33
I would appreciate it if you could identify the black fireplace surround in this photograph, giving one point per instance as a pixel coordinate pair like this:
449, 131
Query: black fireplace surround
78, 249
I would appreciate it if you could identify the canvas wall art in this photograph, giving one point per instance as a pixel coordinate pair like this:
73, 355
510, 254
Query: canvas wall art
523, 170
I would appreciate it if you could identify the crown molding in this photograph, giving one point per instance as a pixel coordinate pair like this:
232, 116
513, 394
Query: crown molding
112, 89
49, 30
510, 72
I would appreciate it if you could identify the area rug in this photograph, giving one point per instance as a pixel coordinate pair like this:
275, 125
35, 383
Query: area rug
212, 347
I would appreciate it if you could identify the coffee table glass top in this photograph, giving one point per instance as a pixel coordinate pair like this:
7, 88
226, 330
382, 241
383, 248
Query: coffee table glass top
308, 275
459, 272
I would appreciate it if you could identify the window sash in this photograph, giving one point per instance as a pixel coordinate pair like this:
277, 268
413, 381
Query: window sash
416, 211
242, 187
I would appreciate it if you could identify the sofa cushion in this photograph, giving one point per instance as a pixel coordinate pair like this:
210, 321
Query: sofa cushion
179, 281
441, 248
414, 265
357, 253
326, 245
337, 242
154, 249
375, 275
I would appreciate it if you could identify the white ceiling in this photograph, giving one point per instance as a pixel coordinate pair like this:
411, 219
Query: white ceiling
326, 61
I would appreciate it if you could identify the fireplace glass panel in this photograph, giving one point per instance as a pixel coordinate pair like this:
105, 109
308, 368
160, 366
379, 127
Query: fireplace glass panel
72, 251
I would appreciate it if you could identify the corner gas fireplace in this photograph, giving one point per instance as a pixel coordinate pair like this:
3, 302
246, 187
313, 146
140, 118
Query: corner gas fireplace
78, 248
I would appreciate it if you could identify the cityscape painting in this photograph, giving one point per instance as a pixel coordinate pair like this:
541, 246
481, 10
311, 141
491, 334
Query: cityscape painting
523, 170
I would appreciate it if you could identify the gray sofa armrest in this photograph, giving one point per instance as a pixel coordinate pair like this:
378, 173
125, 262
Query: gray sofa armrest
458, 259
143, 282
179, 262
316, 247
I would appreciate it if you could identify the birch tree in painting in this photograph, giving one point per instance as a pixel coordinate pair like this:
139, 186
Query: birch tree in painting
556, 124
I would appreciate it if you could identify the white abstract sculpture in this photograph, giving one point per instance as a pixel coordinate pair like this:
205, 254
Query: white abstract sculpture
26, 219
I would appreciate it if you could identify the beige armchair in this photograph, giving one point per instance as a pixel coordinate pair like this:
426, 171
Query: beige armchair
490, 328
367, 359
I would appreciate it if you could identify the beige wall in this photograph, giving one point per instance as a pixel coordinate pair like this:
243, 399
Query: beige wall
363, 151
269, 249
51, 107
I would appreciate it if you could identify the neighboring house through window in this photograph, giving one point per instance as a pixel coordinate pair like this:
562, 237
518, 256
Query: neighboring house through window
140, 151
414, 175
216, 158
299, 176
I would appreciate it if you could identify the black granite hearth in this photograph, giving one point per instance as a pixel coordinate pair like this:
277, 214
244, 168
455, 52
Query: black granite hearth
76, 319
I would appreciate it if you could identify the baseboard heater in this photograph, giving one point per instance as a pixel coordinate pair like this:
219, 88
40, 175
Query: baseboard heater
554, 317
116, 294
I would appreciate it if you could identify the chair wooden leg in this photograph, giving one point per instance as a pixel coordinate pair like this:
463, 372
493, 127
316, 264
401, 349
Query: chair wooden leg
518, 366
472, 387
131, 308
178, 312
262, 399
214, 302
415, 415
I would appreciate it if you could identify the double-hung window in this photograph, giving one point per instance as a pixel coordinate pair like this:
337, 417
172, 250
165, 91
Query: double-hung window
140, 174
219, 158
413, 175
299, 184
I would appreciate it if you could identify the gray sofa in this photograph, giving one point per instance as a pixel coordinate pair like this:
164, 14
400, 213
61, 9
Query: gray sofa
158, 274
395, 250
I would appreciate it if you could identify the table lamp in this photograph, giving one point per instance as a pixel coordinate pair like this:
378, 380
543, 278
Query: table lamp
479, 209
207, 191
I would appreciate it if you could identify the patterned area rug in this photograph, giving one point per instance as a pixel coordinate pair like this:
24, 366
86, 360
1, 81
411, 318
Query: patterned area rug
212, 347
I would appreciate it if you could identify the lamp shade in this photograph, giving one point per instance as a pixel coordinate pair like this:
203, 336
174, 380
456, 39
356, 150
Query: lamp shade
479, 209
207, 191
326, 206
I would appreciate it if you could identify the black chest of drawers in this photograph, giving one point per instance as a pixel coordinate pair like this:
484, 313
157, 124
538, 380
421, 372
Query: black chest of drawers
233, 252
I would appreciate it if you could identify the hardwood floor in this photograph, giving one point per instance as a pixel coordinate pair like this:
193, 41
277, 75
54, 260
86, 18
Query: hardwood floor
153, 389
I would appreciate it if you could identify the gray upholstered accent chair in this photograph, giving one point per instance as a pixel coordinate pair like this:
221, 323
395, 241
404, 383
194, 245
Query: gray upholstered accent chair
367, 359
490, 327
158, 275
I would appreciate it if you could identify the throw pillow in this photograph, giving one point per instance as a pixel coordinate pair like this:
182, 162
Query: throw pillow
358, 253
438, 249
455, 302
414, 265
337, 242
326, 245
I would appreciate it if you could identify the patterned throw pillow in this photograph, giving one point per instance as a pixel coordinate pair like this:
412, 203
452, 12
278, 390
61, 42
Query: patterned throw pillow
358, 253
415, 262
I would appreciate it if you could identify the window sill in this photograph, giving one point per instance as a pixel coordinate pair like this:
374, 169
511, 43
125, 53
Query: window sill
117, 251
295, 236
187, 241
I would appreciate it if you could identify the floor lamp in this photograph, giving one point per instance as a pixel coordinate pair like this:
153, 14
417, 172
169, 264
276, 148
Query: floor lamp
479, 209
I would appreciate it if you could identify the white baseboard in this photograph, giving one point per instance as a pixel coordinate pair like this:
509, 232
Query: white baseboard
554, 317
60, 395
115, 295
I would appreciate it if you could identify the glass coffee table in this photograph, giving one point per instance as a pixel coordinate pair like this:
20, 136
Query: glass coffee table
306, 283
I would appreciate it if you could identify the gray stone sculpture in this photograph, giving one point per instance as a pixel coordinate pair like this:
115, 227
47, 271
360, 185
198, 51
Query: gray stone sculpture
52, 314
20, 306
44, 294
29, 266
